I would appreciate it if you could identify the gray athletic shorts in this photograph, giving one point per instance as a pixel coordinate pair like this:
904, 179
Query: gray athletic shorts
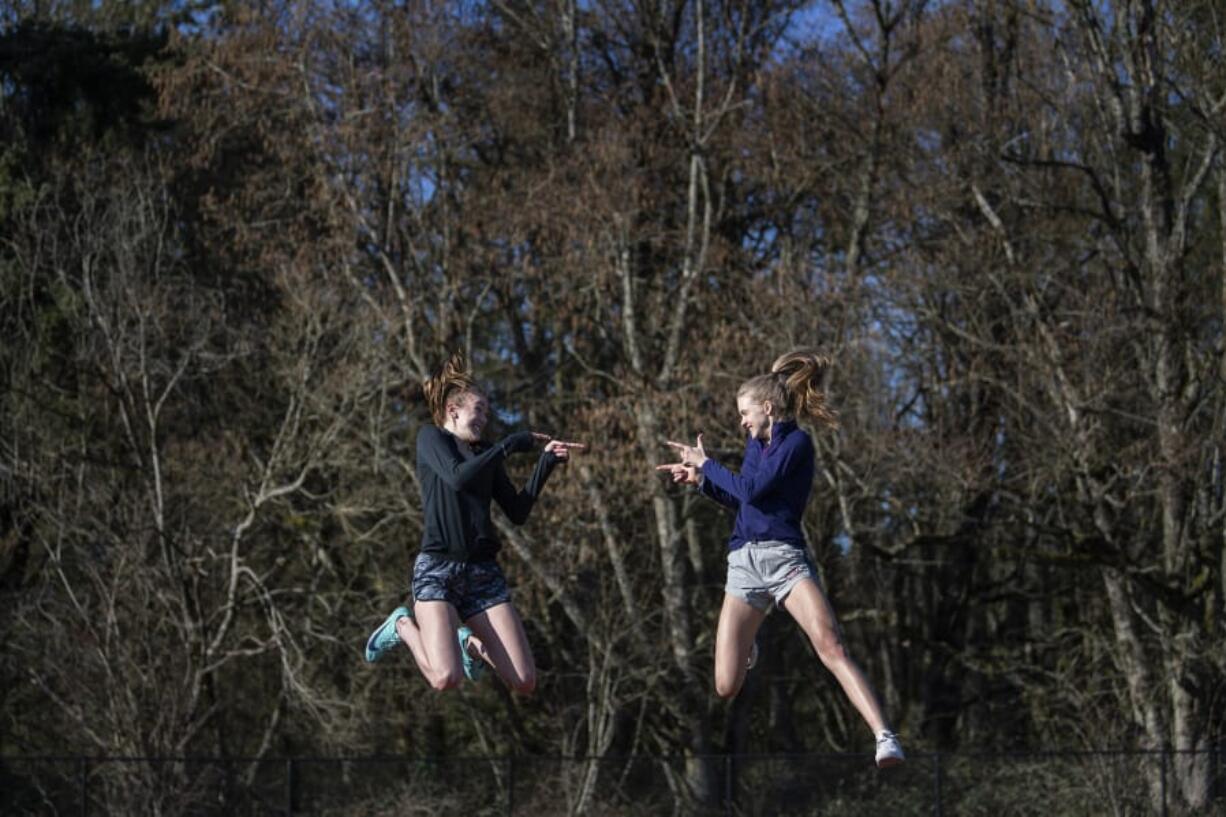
759, 572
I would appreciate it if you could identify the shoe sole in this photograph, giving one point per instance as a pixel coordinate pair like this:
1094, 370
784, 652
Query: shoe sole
889, 762
371, 657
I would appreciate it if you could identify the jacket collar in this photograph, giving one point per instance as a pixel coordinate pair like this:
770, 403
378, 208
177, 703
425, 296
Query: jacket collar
779, 430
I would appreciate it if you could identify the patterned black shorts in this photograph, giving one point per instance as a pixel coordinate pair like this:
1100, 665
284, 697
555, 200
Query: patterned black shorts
469, 587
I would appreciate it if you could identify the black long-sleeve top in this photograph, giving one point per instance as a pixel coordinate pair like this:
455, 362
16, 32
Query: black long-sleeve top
456, 490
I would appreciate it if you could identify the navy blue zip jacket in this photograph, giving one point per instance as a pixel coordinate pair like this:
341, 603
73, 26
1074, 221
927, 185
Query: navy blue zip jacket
770, 492
456, 491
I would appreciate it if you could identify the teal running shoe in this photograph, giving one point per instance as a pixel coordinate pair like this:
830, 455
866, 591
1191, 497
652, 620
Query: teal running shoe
383, 639
474, 668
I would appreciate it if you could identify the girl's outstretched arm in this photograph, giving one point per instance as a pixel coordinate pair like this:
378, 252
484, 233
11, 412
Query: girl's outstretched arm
438, 453
518, 504
772, 470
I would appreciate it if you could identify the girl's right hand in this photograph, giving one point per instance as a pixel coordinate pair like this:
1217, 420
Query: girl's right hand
561, 449
680, 472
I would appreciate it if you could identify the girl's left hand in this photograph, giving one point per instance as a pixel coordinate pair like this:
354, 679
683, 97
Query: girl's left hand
693, 456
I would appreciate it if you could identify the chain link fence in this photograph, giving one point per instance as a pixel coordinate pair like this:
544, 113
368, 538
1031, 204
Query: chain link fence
1035, 783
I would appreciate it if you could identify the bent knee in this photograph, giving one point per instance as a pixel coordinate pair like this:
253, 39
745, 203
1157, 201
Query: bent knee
446, 680
727, 688
524, 684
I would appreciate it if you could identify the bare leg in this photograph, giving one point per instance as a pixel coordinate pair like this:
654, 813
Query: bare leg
503, 644
431, 639
739, 623
808, 605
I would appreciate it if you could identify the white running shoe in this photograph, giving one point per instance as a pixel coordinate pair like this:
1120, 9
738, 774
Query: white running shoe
889, 750
752, 661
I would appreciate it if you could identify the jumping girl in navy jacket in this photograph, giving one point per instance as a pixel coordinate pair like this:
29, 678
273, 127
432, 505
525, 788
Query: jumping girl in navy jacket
767, 559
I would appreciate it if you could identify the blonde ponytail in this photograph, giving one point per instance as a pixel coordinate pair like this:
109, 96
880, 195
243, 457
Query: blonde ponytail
794, 386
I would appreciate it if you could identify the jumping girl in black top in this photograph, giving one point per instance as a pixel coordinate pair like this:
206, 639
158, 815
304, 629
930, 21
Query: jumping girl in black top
462, 612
